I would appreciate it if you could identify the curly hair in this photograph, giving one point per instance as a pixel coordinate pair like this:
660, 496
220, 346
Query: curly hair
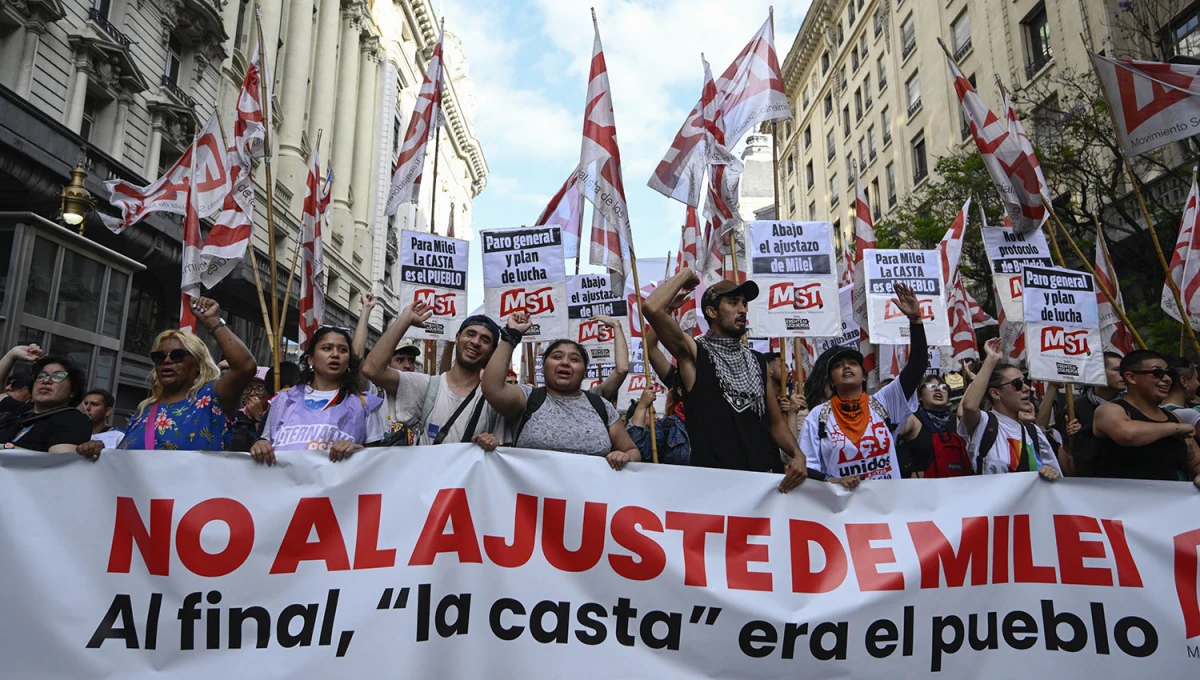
76, 377
198, 351
350, 382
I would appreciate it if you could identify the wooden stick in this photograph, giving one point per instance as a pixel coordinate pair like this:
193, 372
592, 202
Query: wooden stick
798, 357
270, 191
1090, 269
778, 216
637, 286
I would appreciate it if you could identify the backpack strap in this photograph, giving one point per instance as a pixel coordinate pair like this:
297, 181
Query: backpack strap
881, 412
1031, 430
533, 401
601, 408
991, 432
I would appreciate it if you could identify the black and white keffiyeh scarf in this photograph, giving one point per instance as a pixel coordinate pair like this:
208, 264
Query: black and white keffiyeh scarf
738, 371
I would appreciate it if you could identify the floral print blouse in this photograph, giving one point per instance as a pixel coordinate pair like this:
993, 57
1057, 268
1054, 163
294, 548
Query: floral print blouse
197, 424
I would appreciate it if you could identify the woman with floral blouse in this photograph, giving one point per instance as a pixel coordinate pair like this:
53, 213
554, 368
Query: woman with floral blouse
192, 405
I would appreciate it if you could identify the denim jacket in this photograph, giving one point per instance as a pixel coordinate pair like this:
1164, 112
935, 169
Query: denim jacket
674, 447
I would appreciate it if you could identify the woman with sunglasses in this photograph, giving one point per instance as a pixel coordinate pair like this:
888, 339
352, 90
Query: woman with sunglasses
191, 405
50, 421
327, 411
930, 443
1000, 439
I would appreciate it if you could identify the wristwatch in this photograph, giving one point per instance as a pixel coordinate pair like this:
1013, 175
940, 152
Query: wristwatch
511, 335
220, 324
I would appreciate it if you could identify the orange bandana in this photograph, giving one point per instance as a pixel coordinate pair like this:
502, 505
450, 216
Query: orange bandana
852, 416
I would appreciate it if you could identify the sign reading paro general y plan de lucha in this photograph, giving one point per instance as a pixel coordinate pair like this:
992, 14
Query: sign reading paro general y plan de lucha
1062, 322
524, 271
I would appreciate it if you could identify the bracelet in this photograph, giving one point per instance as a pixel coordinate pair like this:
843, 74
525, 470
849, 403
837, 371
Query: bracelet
220, 324
511, 335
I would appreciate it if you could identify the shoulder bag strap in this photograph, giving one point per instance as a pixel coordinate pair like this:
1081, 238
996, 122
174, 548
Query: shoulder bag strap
445, 428
151, 432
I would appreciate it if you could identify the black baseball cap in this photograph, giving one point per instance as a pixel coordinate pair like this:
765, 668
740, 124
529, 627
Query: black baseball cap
836, 354
725, 288
486, 322
18, 381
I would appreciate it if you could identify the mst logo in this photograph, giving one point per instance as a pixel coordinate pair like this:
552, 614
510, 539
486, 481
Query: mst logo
891, 311
531, 302
637, 383
1071, 343
791, 296
1014, 288
594, 331
442, 305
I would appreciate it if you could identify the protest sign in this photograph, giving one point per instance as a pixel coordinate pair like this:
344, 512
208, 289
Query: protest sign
433, 270
850, 327
920, 269
524, 271
635, 383
591, 295
1062, 326
1009, 253
792, 263
197, 566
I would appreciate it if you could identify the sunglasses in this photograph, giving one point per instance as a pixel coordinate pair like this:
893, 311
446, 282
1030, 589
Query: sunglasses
176, 355
55, 377
937, 387
1158, 373
1018, 384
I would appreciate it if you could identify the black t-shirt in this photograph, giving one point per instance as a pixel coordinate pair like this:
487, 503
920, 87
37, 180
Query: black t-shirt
1083, 444
722, 437
68, 426
1163, 459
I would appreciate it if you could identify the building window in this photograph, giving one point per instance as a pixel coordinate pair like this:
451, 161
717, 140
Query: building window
787, 130
886, 119
920, 167
862, 153
962, 115
842, 82
891, 183
828, 103
854, 59
103, 8
791, 163
806, 99
913, 87
809, 175
90, 108
866, 88
807, 136
833, 190
850, 13
875, 192
846, 120
871, 143
825, 63
862, 45
791, 202
961, 29
239, 37
812, 210
878, 23
908, 37
1185, 34
858, 108
830, 145
174, 59
882, 74
1037, 40
850, 164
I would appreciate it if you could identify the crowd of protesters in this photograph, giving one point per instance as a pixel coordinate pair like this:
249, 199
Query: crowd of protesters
726, 405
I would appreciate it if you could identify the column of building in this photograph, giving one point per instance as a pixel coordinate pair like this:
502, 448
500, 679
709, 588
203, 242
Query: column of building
365, 148
323, 92
344, 120
293, 102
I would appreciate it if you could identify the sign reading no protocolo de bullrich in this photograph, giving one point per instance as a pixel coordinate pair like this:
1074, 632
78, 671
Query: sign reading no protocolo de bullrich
1009, 253
1062, 322
524, 271
922, 271
798, 289
433, 270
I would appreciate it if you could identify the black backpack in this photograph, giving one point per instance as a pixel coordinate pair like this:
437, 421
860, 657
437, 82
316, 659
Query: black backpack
538, 397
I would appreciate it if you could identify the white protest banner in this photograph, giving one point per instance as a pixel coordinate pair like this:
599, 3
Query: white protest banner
1062, 326
197, 566
524, 271
920, 269
1009, 253
433, 270
591, 295
792, 262
635, 383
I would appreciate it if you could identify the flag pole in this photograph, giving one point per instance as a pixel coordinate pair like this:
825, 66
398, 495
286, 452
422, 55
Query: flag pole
1112, 277
437, 137
287, 290
270, 191
778, 216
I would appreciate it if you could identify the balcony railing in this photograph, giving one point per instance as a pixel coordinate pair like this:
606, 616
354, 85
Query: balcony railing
835, 200
920, 173
887, 138
869, 103
1037, 63
871, 155
908, 49
882, 85
914, 107
962, 49
891, 200
832, 153
177, 92
100, 20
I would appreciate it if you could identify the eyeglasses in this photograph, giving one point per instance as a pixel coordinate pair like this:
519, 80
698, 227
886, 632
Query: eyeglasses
938, 387
1018, 384
55, 377
176, 355
1158, 373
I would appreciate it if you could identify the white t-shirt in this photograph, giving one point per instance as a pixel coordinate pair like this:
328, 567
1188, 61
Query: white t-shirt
114, 436
875, 455
409, 403
317, 400
1186, 415
1005, 454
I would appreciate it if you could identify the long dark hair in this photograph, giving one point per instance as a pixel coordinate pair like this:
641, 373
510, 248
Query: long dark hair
350, 384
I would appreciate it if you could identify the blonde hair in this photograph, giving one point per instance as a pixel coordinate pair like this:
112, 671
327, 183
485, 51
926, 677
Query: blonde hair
198, 350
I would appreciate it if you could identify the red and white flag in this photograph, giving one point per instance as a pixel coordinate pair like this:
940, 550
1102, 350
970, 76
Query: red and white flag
249, 130
979, 316
891, 360
1017, 128
1154, 103
169, 192
689, 242
566, 210
950, 247
312, 254
1189, 284
750, 91
962, 332
406, 181
1187, 226
600, 171
1012, 337
1114, 335
1014, 170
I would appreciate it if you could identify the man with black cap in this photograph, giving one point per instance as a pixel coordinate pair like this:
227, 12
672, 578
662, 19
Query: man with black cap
854, 433
732, 410
449, 407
